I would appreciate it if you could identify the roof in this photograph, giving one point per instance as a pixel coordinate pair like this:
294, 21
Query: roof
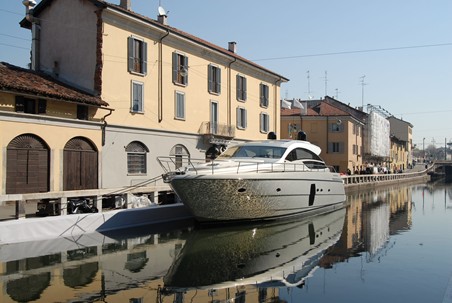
101, 3
24, 81
320, 109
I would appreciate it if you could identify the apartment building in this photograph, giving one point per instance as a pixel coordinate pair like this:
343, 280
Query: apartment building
171, 93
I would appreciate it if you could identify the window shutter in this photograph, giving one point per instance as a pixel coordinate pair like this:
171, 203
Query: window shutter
239, 117
42, 106
261, 94
239, 86
330, 147
244, 118
210, 78
20, 106
218, 83
185, 66
145, 57
130, 54
244, 88
175, 67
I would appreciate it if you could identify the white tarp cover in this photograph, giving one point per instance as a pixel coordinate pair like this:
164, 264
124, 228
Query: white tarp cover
378, 141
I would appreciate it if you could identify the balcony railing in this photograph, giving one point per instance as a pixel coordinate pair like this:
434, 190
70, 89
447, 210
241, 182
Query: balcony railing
217, 129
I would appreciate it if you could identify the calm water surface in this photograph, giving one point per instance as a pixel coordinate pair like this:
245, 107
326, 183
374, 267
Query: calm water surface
389, 245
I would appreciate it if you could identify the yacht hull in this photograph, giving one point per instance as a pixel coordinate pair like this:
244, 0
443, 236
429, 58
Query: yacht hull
258, 196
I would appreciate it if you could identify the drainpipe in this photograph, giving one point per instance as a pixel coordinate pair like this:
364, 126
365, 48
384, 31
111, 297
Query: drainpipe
276, 105
104, 125
35, 32
230, 93
160, 73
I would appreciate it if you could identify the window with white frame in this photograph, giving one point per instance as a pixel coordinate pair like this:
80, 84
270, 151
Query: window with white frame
180, 69
214, 79
136, 158
179, 105
241, 88
263, 89
264, 122
241, 118
137, 55
137, 97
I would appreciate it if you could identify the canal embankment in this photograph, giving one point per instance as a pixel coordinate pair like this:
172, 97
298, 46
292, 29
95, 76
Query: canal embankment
61, 224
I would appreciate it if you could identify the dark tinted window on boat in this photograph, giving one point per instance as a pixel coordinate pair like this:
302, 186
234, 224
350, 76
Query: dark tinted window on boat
302, 154
253, 152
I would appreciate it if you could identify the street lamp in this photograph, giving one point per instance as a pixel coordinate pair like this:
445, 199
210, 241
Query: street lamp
423, 148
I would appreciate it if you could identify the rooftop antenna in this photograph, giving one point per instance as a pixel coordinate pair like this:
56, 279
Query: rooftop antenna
326, 83
309, 85
337, 94
362, 90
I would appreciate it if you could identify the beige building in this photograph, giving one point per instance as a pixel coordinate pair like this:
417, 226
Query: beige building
337, 132
172, 93
401, 143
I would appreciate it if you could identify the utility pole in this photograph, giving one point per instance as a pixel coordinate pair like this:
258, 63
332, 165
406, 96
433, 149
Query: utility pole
326, 83
309, 85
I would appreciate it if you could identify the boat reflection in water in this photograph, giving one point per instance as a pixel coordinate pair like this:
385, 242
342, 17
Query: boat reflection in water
274, 254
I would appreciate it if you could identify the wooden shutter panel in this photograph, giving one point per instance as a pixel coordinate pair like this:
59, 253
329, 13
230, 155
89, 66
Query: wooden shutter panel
175, 67
218, 83
244, 88
239, 86
210, 78
130, 54
20, 104
145, 57
185, 66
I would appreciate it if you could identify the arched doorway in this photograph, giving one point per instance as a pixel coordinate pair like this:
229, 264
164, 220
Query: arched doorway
80, 164
27, 165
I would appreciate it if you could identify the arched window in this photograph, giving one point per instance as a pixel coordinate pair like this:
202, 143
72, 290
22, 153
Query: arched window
136, 158
180, 152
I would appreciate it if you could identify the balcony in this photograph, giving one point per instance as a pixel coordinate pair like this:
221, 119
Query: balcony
217, 130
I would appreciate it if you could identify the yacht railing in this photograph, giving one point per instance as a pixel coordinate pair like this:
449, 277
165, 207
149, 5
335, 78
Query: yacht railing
178, 166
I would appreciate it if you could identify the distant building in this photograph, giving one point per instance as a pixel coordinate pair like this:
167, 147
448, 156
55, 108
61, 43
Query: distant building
337, 132
402, 136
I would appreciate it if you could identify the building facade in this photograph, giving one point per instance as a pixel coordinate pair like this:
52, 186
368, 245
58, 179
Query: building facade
173, 94
51, 134
338, 133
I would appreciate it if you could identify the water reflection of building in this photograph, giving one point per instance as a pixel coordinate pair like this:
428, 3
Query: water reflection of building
113, 269
371, 218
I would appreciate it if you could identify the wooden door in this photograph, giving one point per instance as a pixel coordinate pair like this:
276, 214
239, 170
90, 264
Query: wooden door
80, 162
27, 165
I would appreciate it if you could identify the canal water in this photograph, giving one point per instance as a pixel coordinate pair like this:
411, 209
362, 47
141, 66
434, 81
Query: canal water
393, 244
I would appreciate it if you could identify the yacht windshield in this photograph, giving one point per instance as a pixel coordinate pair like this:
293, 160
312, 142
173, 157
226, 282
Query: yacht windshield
255, 151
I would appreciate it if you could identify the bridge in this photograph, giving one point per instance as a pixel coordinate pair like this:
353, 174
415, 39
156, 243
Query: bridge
442, 168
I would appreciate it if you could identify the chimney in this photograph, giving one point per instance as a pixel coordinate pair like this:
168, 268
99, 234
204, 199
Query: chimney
162, 19
233, 47
125, 4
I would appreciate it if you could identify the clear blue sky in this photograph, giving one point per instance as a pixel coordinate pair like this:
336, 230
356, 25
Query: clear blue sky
403, 47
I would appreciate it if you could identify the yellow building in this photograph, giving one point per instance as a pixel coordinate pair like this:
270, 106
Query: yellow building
50, 133
172, 93
335, 130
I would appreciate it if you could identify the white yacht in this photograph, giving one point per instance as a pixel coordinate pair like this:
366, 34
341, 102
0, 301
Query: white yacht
256, 181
